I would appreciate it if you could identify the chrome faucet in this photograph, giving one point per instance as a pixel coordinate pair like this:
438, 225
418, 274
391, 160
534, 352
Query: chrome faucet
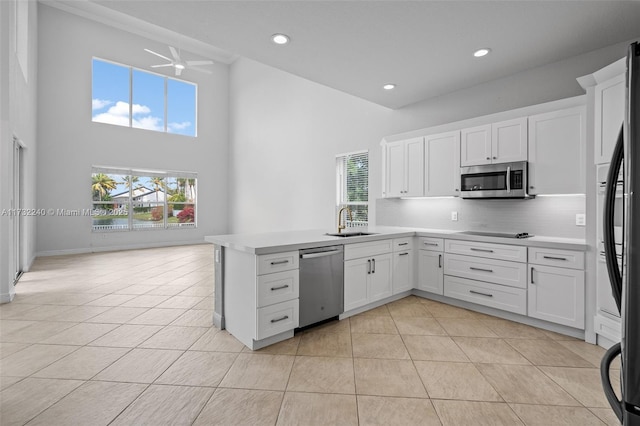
340, 225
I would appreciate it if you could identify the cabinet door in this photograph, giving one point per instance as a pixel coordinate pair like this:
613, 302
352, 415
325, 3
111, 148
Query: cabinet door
356, 276
414, 167
395, 169
442, 164
402, 271
557, 144
609, 115
430, 271
509, 141
380, 277
556, 295
475, 146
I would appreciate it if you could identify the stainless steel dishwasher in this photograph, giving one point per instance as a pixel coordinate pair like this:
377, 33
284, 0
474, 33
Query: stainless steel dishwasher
321, 284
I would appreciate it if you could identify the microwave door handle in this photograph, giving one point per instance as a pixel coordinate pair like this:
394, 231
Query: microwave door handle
508, 179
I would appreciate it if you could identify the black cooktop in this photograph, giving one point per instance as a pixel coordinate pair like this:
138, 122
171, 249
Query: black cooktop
497, 234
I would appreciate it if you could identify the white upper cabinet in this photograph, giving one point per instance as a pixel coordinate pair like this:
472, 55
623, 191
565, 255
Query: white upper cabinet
404, 168
442, 164
557, 145
609, 115
502, 142
475, 145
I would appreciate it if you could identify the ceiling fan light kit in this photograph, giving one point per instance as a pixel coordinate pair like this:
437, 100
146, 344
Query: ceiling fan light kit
178, 64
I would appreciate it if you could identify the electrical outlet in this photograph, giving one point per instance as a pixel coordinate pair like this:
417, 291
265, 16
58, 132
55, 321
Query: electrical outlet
580, 219
454, 216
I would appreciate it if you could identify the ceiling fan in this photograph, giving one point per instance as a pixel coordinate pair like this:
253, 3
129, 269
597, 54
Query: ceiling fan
178, 63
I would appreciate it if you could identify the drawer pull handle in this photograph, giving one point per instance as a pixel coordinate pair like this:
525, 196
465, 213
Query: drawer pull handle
532, 275
280, 262
555, 258
480, 269
279, 287
430, 244
481, 294
439, 261
482, 250
369, 268
280, 319
373, 263
404, 254
403, 244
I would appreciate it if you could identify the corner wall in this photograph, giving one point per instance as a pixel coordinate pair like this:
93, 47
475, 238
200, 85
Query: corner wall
70, 143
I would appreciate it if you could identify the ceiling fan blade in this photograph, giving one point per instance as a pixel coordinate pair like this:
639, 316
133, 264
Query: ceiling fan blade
161, 66
174, 52
202, 70
157, 54
199, 62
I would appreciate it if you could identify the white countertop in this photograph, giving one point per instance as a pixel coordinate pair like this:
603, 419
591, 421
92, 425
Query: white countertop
275, 242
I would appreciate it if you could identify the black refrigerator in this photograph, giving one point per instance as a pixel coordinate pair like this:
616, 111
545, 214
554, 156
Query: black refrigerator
625, 283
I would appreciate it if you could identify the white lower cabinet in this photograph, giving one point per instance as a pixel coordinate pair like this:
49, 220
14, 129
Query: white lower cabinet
556, 295
430, 265
367, 279
402, 265
496, 296
430, 271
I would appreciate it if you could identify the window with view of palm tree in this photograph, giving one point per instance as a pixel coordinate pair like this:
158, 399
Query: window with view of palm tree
101, 186
130, 181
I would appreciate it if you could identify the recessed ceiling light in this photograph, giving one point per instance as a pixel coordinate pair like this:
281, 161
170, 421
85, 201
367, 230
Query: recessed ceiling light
389, 86
280, 38
481, 52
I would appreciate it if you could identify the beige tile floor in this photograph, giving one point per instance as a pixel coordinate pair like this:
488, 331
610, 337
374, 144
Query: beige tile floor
125, 338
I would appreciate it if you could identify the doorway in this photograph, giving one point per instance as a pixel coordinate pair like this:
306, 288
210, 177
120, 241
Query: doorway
17, 207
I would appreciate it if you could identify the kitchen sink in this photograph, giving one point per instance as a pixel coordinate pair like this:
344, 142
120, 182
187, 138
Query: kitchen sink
349, 234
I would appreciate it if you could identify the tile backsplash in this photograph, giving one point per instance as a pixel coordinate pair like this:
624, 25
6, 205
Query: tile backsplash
544, 216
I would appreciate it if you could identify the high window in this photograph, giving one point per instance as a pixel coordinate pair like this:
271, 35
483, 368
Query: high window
127, 96
126, 199
352, 186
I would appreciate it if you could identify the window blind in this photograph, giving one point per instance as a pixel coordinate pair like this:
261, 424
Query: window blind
353, 184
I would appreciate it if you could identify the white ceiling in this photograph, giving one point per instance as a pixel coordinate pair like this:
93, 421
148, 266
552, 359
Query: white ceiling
425, 47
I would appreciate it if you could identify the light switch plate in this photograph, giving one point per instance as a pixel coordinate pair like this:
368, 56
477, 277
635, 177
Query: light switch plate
580, 219
454, 216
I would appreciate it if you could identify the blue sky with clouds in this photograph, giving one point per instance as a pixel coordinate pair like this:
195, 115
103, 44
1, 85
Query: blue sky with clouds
110, 99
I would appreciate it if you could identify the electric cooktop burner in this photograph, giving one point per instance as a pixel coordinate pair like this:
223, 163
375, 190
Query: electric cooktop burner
497, 234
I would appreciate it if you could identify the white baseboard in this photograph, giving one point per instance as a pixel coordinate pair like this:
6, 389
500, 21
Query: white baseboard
6, 297
117, 248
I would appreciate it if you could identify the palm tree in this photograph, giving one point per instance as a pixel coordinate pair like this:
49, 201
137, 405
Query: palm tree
129, 181
192, 189
157, 183
102, 184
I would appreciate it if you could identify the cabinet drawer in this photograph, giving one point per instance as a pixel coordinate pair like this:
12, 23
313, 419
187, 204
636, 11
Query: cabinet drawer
512, 274
402, 244
434, 244
277, 262
356, 251
553, 257
278, 287
489, 250
277, 318
493, 295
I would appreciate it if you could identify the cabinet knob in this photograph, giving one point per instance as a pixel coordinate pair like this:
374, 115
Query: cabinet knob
531, 187
488, 158
495, 158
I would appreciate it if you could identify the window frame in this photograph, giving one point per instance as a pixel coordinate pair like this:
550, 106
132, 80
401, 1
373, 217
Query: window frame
165, 78
131, 204
342, 184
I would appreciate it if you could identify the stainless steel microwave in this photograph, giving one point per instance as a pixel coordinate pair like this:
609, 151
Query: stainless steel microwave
506, 180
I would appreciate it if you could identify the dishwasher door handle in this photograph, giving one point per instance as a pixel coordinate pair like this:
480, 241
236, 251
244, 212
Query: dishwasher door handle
319, 254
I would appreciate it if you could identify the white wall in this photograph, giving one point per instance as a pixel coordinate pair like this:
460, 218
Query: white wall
18, 90
70, 143
286, 131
